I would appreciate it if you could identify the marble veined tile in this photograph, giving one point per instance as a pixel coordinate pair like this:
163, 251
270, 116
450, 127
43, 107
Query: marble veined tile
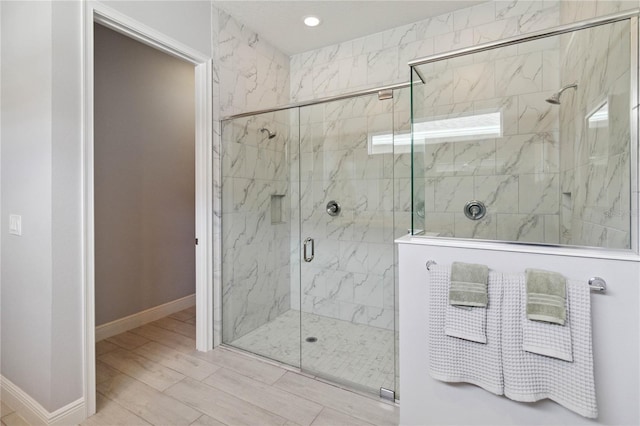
274, 400
517, 75
520, 227
499, 192
437, 25
511, 8
539, 194
474, 16
474, 82
484, 228
526, 154
452, 193
497, 30
535, 114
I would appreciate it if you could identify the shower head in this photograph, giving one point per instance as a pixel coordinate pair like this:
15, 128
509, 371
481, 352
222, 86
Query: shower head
555, 98
269, 134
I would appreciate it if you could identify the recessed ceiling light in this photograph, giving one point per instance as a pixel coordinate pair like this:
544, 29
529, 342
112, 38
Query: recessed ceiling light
311, 21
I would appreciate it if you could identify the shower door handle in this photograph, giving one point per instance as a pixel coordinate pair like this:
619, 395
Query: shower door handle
304, 249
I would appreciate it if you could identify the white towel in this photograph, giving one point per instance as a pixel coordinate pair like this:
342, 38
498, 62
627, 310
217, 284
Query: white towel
545, 338
458, 360
530, 377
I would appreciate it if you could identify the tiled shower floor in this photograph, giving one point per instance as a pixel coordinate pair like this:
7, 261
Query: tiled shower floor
357, 355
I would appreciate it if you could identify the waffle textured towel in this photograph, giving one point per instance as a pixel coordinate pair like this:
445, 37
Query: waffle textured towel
530, 377
468, 284
546, 293
456, 360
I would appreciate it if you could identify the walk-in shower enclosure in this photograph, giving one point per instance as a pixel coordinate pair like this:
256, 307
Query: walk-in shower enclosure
308, 224
531, 140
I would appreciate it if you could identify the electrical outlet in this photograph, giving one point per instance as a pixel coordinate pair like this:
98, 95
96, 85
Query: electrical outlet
15, 224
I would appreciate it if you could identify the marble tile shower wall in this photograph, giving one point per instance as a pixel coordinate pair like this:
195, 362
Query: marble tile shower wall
248, 74
596, 160
351, 276
256, 227
376, 60
516, 175
381, 58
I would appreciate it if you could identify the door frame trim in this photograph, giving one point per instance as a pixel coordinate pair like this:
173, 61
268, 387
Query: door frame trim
96, 12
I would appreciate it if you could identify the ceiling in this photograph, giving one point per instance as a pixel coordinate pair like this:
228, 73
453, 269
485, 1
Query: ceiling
280, 22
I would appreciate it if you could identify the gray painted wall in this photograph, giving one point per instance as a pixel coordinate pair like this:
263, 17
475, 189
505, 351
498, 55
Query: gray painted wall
144, 176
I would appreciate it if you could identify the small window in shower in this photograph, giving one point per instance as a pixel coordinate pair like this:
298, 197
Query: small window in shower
463, 128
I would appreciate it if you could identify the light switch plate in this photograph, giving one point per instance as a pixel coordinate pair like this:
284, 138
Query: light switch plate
15, 224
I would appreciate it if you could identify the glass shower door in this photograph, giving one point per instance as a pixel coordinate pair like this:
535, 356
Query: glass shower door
346, 235
260, 233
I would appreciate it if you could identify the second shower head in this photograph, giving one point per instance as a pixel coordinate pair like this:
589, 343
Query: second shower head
270, 134
555, 98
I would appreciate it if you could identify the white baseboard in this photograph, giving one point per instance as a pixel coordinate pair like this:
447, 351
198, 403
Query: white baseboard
130, 322
35, 414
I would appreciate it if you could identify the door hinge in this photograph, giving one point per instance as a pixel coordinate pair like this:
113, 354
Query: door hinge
196, 241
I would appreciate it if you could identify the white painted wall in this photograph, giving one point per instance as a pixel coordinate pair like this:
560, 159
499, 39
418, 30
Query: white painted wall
66, 212
26, 168
41, 174
615, 324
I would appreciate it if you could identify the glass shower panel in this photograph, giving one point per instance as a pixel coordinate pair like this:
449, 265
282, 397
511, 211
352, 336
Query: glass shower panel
346, 211
260, 232
417, 166
536, 135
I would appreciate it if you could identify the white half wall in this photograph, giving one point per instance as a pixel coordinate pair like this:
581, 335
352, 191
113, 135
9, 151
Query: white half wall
615, 325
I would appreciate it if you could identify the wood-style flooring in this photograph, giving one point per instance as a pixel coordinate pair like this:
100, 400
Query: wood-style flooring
154, 375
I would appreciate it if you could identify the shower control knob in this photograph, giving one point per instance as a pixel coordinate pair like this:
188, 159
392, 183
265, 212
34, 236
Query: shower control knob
475, 210
333, 208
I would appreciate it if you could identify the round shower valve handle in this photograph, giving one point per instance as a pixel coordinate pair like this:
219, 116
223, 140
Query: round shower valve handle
475, 210
333, 208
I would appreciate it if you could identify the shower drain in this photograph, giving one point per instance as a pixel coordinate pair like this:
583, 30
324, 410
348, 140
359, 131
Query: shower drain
311, 339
